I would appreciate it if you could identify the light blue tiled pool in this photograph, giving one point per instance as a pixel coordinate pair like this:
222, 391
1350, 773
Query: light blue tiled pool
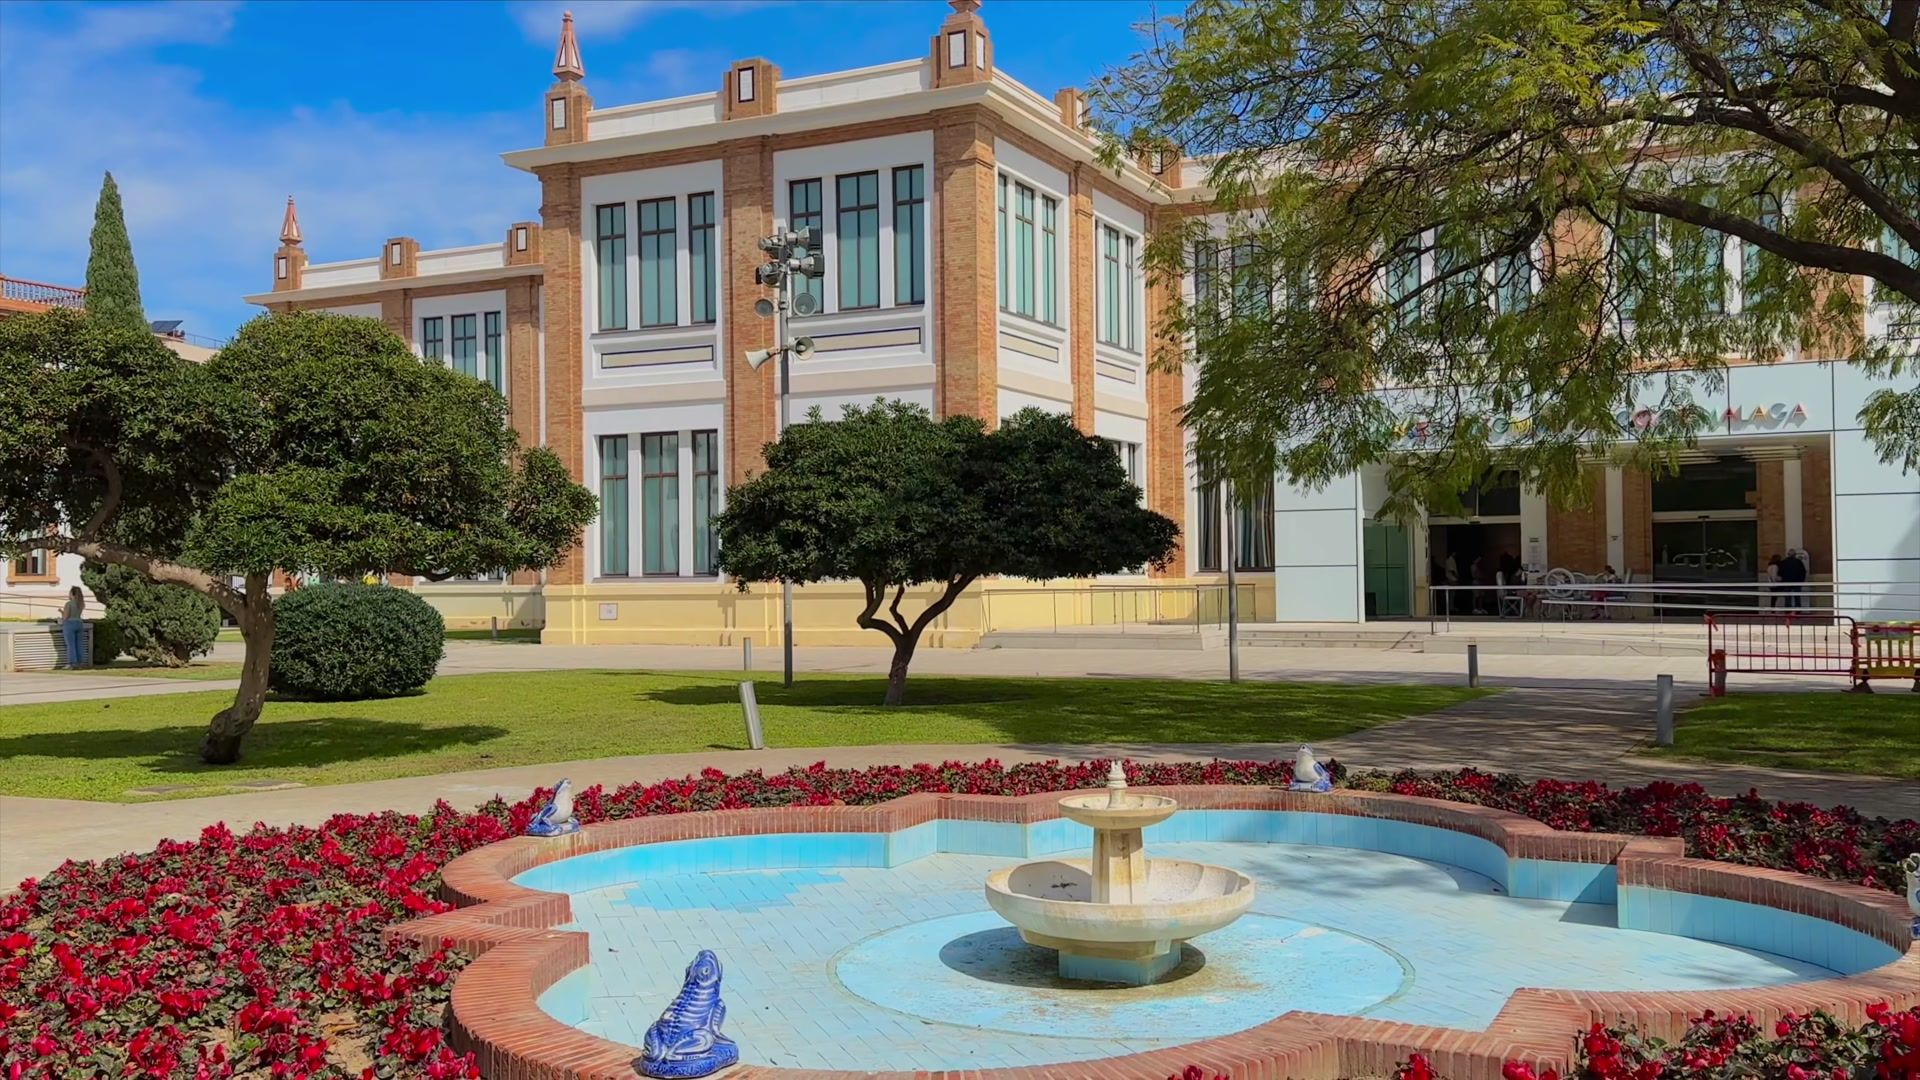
871, 951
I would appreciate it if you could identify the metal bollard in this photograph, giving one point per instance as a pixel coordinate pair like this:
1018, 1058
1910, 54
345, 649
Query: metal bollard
1663, 710
1473, 663
495, 632
750, 705
746, 654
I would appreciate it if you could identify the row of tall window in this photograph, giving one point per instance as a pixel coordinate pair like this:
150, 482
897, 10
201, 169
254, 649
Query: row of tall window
854, 242
656, 236
1252, 522
1117, 293
472, 344
1029, 247
662, 484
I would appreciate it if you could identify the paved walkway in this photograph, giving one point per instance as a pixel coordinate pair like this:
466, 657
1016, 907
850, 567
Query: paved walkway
1564, 716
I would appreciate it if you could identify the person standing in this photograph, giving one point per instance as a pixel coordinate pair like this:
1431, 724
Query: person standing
73, 625
1772, 587
1793, 575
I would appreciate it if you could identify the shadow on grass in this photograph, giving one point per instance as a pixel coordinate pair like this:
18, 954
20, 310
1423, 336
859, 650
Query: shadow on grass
1028, 710
291, 744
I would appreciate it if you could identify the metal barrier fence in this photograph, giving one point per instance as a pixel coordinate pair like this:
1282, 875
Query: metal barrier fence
1120, 608
1755, 643
1660, 602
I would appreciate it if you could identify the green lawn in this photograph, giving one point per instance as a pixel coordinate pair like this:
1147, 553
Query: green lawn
101, 749
1877, 734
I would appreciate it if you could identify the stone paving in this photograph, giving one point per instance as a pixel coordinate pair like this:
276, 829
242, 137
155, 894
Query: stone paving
855, 968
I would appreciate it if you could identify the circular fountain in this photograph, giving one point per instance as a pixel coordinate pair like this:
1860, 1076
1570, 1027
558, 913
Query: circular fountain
1118, 917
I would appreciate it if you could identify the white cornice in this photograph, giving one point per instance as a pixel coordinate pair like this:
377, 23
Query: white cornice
386, 285
1015, 105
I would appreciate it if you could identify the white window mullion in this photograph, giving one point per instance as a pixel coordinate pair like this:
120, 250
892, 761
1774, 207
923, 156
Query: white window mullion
684, 481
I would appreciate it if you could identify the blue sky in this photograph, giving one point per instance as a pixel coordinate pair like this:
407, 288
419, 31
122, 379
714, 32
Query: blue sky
387, 119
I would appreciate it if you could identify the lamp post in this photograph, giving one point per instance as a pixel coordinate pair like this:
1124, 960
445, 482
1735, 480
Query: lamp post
787, 255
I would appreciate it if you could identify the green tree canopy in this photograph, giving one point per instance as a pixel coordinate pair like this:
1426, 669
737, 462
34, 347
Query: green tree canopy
311, 443
1519, 209
894, 499
113, 282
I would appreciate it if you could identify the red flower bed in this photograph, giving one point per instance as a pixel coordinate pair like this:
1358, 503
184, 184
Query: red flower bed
1814, 1047
264, 954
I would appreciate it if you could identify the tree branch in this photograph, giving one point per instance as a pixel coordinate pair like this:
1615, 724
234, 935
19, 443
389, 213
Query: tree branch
899, 620
1751, 116
939, 607
1839, 258
165, 572
876, 594
110, 503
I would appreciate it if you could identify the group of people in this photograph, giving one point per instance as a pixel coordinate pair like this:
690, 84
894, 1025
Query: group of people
1787, 579
1493, 578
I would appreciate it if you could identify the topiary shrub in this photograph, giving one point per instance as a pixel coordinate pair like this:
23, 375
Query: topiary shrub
153, 623
350, 642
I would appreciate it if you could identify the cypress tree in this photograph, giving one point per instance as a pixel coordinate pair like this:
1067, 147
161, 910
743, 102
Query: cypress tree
113, 285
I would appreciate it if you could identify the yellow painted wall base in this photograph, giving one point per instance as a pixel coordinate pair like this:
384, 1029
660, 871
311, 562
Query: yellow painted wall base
475, 606
683, 613
678, 612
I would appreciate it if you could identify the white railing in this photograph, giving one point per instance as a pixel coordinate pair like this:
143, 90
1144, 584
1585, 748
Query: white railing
1570, 597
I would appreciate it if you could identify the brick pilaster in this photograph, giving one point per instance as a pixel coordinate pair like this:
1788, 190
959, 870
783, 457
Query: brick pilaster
1080, 274
1816, 508
523, 359
560, 255
396, 311
1166, 474
967, 316
1636, 527
1769, 504
1577, 534
747, 177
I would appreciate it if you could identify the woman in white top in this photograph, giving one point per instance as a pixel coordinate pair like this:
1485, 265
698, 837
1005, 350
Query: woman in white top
73, 625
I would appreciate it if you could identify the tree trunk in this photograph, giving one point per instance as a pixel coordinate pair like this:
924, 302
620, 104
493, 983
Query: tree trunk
231, 724
897, 671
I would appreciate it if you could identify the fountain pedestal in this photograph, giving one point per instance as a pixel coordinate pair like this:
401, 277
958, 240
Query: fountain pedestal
1118, 917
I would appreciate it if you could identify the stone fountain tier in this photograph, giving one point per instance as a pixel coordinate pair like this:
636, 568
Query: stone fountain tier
1118, 917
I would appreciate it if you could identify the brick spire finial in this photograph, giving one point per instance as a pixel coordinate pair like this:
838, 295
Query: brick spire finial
566, 62
290, 226
964, 7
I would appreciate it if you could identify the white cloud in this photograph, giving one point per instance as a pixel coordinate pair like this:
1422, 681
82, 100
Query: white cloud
540, 19
204, 183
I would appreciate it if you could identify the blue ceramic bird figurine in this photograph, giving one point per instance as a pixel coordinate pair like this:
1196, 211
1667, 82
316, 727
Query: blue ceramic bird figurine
556, 818
1308, 774
686, 1040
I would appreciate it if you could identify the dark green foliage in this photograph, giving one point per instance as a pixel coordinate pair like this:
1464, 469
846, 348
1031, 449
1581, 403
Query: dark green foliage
155, 624
353, 642
890, 497
109, 644
312, 442
1607, 149
113, 283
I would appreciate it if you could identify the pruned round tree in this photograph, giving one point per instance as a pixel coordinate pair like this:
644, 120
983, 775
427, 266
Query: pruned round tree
312, 443
1539, 211
891, 498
